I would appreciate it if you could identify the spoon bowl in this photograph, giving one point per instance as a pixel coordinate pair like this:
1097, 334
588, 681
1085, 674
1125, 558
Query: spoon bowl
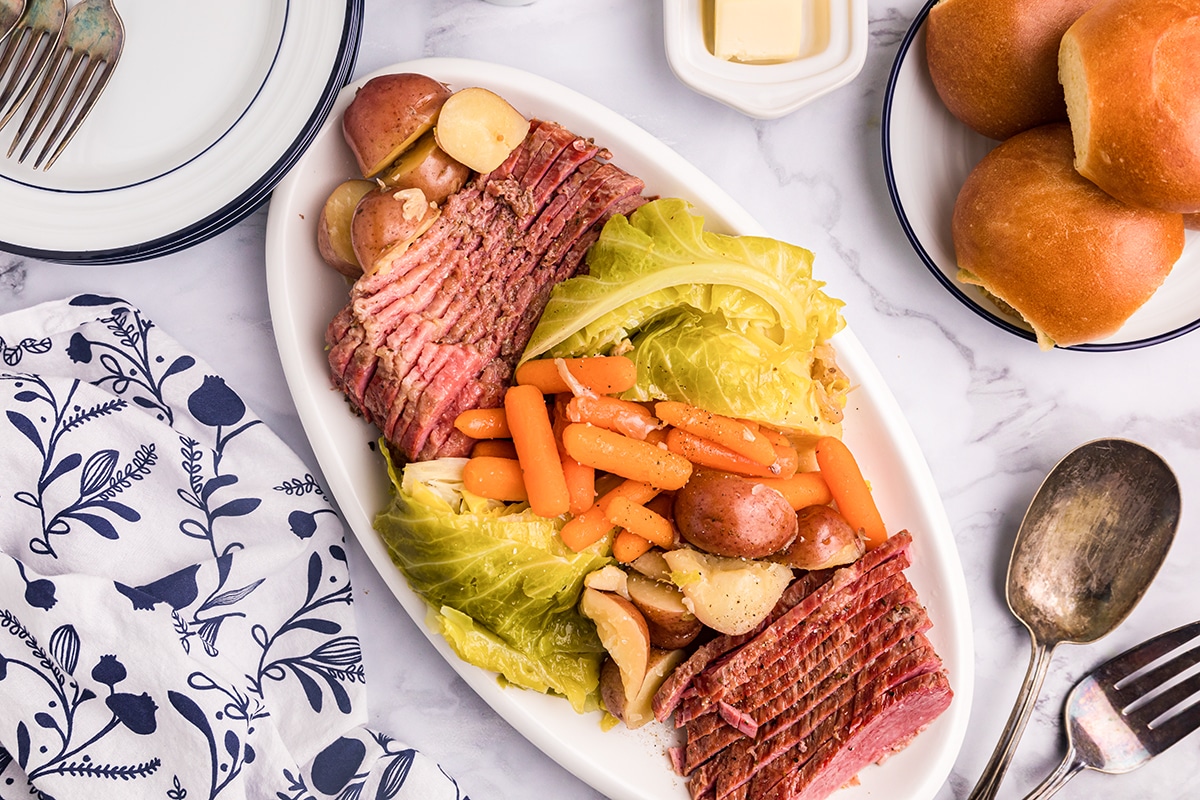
1093, 539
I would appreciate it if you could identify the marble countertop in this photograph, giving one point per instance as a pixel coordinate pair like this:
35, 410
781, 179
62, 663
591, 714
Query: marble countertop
991, 412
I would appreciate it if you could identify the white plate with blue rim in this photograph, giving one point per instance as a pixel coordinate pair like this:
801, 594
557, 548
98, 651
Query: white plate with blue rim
927, 155
207, 109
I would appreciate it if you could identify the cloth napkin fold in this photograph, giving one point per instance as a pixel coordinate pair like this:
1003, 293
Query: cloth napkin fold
175, 603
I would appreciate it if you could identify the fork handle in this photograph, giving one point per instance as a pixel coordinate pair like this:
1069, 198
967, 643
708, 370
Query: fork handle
993, 773
1069, 768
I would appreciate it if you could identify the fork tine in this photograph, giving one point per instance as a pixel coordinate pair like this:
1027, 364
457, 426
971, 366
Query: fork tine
1160, 737
1130, 691
92, 83
1160, 704
1129, 662
60, 83
44, 87
34, 37
31, 46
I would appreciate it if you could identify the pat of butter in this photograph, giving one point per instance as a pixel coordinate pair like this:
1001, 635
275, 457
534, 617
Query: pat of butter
757, 30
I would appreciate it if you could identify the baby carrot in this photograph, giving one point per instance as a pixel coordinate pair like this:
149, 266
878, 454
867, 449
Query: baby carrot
636, 518
612, 413
728, 432
537, 451
601, 374
591, 526
581, 484
483, 423
612, 452
849, 489
707, 453
501, 448
495, 478
802, 489
628, 546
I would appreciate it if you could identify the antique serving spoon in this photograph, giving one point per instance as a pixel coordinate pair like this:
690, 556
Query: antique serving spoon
1093, 538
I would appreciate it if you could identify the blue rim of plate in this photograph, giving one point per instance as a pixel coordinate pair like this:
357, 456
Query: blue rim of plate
249, 199
931, 264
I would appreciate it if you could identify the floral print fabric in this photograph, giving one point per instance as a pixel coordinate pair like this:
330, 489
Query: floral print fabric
175, 604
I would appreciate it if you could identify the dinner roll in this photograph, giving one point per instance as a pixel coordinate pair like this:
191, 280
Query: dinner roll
1073, 261
1131, 71
994, 63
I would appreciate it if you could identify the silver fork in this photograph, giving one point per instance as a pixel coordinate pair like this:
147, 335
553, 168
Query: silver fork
27, 49
1122, 714
83, 61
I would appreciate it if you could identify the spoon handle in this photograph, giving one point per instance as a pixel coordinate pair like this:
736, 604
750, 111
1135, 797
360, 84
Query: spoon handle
1068, 769
993, 773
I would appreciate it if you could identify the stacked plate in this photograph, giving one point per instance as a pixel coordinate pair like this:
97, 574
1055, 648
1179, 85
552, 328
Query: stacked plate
205, 113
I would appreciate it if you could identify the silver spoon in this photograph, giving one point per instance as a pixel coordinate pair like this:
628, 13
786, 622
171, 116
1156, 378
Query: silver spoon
1093, 538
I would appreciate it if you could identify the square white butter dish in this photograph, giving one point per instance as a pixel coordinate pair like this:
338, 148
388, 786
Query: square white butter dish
833, 48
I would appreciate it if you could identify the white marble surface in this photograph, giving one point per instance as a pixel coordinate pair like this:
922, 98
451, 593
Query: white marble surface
991, 412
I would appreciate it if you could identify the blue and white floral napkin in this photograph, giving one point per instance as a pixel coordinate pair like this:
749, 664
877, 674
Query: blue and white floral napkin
175, 604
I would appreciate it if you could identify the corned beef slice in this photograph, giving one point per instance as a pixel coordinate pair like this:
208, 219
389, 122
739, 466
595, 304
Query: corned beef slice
839, 675
441, 330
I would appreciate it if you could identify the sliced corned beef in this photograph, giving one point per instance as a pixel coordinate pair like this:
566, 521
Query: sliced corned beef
892, 717
842, 657
440, 330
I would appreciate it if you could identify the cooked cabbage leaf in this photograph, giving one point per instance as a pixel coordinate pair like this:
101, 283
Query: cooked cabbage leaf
504, 585
733, 324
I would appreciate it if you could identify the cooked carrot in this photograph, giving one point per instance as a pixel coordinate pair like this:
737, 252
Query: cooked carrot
483, 423
601, 374
581, 484
612, 413
849, 489
628, 546
730, 433
638, 491
501, 448
495, 478
777, 438
636, 518
787, 460
802, 489
707, 453
537, 451
612, 452
592, 525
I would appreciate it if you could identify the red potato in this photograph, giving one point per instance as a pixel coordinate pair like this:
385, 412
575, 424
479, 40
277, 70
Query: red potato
333, 226
824, 540
623, 632
387, 115
639, 710
729, 515
729, 595
385, 222
669, 621
479, 128
427, 167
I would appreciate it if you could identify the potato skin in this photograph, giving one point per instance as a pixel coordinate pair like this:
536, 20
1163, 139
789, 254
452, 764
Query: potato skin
389, 113
333, 226
670, 623
427, 167
732, 516
824, 539
385, 222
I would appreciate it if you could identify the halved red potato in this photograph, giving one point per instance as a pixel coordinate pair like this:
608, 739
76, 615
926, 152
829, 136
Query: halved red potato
388, 114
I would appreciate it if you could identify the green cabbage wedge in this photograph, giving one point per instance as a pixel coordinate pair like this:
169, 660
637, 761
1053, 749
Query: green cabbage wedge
501, 585
734, 324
